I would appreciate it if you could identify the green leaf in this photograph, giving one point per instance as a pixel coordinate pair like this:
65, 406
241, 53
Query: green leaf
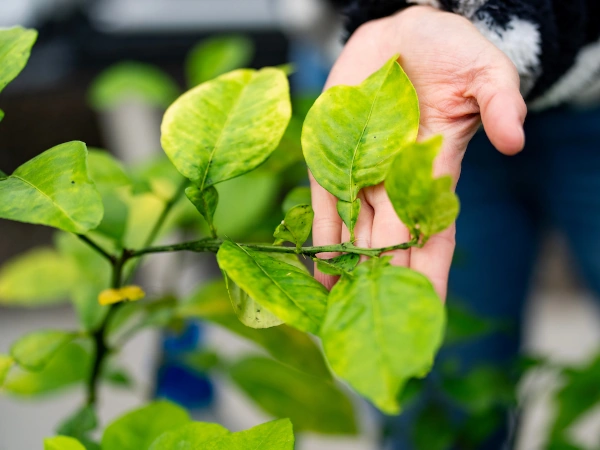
205, 201
53, 189
311, 403
426, 205
248, 311
35, 350
132, 80
228, 126
384, 325
352, 133
297, 196
71, 365
6, 362
105, 170
137, 430
189, 437
80, 424
296, 226
216, 56
39, 277
349, 213
286, 290
15, 48
62, 443
276, 435
463, 325
284, 343
338, 265
433, 429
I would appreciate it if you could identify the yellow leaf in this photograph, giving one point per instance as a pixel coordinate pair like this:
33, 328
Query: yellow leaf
124, 294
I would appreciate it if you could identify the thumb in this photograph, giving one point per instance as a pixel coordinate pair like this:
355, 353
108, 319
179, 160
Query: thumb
502, 107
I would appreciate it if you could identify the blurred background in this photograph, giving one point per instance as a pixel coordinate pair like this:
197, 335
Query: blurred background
54, 101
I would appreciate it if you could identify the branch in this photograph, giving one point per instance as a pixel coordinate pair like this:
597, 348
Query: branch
95, 246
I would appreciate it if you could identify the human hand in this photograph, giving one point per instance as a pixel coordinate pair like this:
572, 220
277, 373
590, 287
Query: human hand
462, 79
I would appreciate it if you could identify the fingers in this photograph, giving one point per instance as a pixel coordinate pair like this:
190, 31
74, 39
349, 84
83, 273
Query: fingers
502, 108
435, 258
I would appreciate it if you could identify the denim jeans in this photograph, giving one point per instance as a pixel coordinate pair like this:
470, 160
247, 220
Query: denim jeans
508, 204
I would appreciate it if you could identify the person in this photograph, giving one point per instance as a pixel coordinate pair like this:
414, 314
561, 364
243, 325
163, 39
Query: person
487, 62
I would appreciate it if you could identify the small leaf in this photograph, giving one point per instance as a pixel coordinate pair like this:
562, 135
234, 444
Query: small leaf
15, 48
189, 436
35, 350
311, 403
288, 345
227, 127
205, 201
6, 362
284, 289
338, 265
276, 435
132, 80
426, 205
53, 189
384, 325
349, 213
62, 443
80, 424
72, 364
137, 430
297, 196
352, 133
39, 277
296, 226
105, 170
248, 311
216, 56
124, 294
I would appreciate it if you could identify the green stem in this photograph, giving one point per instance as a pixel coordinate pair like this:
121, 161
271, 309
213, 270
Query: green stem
165, 213
213, 245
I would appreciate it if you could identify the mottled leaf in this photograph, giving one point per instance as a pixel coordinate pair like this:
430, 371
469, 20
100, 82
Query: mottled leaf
189, 437
216, 56
53, 189
276, 435
311, 403
228, 126
15, 48
384, 325
296, 225
352, 133
338, 265
297, 196
349, 212
205, 201
138, 429
426, 205
248, 311
286, 290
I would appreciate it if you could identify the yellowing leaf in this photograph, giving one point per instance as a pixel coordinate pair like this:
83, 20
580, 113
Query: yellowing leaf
124, 294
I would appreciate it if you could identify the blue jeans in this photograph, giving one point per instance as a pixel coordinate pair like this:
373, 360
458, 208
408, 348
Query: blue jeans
508, 203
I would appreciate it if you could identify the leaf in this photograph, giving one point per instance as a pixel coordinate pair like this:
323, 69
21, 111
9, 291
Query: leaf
228, 126
464, 325
132, 80
276, 435
53, 189
105, 170
189, 436
216, 56
433, 429
247, 310
15, 48
80, 424
338, 265
35, 350
352, 133
71, 365
296, 226
297, 196
311, 403
38, 277
62, 443
426, 205
384, 325
124, 294
6, 362
286, 290
205, 201
290, 346
137, 430
349, 213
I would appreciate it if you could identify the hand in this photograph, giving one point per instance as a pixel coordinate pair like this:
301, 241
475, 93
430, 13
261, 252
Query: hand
462, 79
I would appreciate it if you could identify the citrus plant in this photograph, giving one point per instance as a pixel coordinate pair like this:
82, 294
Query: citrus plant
380, 326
